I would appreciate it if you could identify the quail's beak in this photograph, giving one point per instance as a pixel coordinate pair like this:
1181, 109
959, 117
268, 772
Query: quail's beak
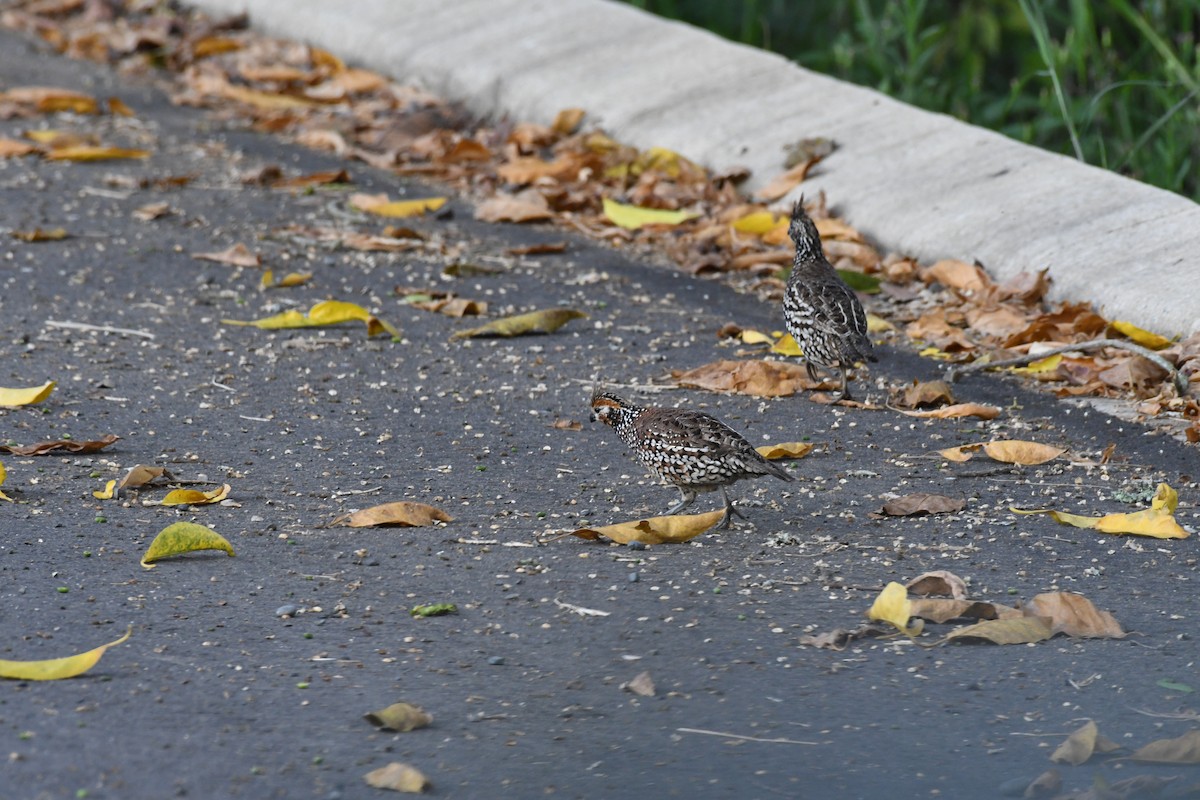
592, 416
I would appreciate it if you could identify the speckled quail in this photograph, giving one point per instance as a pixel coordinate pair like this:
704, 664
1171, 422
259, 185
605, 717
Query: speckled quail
821, 312
689, 449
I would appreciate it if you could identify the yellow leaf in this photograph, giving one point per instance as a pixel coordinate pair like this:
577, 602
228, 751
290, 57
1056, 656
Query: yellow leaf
656, 530
56, 668
1139, 336
401, 717
1042, 366
41, 235
877, 324
544, 321
759, 223
328, 312
404, 513
784, 450
93, 153
380, 205
107, 492
1157, 522
786, 346
3, 476
756, 337
634, 217
195, 497
184, 537
398, 777
892, 606
294, 279
26, 397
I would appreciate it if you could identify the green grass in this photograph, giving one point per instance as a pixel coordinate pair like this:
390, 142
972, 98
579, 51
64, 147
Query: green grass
1115, 83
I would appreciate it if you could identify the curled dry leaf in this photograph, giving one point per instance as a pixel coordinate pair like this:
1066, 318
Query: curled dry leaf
920, 503
1082, 745
381, 206
404, 513
525, 206
26, 397
944, 609
928, 393
956, 411
68, 445
400, 717
195, 497
398, 777
1008, 451
1183, 749
774, 452
938, 582
642, 684
184, 537
755, 378
40, 235
1074, 615
1013, 630
328, 312
656, 530
237, 255
289, 281
57, 668
85, 152
1157, 522
545, 321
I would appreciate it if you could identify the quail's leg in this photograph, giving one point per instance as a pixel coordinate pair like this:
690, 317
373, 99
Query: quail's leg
843, 393
686, 497
812, 371
730, 511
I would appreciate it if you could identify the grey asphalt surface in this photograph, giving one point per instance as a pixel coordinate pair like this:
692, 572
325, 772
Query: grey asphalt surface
206, 698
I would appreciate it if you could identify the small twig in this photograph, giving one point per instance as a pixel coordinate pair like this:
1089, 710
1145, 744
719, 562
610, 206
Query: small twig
580, 610
222, 386
1190, 716
348, 492
254, 419
83, 326
744, 738
1180, 382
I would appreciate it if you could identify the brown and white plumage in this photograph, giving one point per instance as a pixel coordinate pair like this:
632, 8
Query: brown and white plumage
820, 311
688, 449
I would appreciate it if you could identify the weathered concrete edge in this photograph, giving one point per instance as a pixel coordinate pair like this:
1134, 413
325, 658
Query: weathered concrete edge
916, 182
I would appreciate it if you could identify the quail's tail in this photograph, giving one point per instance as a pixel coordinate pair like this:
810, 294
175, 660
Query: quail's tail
772, 468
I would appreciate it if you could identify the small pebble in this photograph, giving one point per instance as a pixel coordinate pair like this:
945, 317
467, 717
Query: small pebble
636, 545
633, 577
287, 611
496, 661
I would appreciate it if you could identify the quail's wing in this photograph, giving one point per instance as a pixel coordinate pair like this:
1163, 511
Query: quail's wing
695, 432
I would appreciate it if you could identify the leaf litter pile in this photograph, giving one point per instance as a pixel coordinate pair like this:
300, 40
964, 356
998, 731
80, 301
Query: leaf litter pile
572, 174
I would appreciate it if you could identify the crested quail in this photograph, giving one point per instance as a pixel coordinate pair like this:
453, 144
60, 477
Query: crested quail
689, 449
821, 312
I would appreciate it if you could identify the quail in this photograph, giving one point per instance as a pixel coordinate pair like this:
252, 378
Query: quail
821, 312
689, 449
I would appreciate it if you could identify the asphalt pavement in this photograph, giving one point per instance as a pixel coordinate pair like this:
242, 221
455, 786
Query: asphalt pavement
216, 694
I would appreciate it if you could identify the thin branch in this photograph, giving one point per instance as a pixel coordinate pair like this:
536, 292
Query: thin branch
1179, 380
744, 738
83, 326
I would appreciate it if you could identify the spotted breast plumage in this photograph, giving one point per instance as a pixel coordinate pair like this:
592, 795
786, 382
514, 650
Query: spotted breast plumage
688, 449
820, 311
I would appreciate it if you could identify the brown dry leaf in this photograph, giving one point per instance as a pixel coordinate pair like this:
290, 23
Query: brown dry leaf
141, 474
14, 148
151, 211
1015, 630
119, 108
537, 249
567, 425
398, 777
399, 717
1183, 749
773, 452
655, 530
920, 503
322, 178
68, 445
960, 276
526, 206
404, 513
642, 685
934, 327
996, 321
755, 378
783, 183
568, 120
1082, 744
49, 99
956, 411
1028, 287
944, 609
40, 235
963, 452
544, 321
1015, 451
236, 256
93, 153
528, 169
928, 393
941, 582
1074, 615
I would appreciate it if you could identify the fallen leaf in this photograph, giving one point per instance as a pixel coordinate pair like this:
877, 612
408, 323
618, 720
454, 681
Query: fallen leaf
567, 425
10, 148
1139, 336
93, 153
1008, 451
398, 777
184, 537
141, 474
1074, 615
642, 684
400, 717
773, 452
892, 606
291, 280
1174, 686
51, 99
944, 609
956, 411
3, 477
928, 393
1082, 744
403, 513
1158, 521
783, 183
328, 312
381, 206
963, 452
39, 235
26, 397
544, 248
958, 275
755, 378
785, 345
1014, 630
321, 178
434, 610
633, 217
119, 108
107, 493
195, 497
69, 445
859, 281
264, 101
656, 530
941, 582
236, 256
922, 503
57, 668
522, 207
545, 321
567, 121
151, 211
1183, 749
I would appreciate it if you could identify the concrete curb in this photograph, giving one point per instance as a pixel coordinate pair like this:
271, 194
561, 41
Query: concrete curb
919, 183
